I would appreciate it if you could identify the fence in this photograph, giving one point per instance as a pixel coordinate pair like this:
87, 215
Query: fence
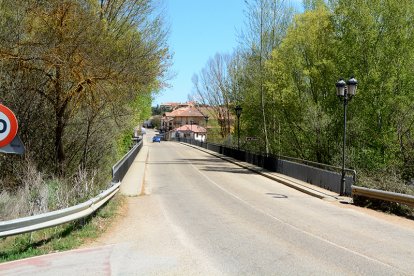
384, 195
41, 221
322, 175
121, 167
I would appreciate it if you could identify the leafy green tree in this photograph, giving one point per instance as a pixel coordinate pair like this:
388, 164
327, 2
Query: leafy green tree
376, 38
89, 66
284, 75
266, 24
300, 77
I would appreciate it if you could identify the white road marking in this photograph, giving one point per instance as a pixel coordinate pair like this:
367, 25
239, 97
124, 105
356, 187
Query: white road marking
292, 226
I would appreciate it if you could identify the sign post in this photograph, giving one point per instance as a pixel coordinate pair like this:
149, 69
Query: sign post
8, 131
8, 126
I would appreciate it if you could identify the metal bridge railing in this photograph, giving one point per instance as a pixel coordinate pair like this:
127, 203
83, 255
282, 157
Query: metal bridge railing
41, 221
322, 175
121, 167
384, 195
50, 219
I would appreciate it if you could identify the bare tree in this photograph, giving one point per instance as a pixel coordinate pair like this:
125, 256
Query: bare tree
214, 87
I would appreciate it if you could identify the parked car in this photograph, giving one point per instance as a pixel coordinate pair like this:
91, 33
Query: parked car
156, 139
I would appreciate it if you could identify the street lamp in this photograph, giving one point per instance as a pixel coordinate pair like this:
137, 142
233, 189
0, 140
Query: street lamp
345, 91
206, 119
238, 109
191, 134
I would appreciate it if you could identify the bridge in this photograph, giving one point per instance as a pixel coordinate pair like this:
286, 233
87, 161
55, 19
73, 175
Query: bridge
190, 212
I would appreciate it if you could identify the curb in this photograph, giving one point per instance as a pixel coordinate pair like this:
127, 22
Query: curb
143, 177
271, 175
133, 183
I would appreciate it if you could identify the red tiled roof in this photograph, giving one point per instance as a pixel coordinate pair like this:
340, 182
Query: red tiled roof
191, 128
185, 112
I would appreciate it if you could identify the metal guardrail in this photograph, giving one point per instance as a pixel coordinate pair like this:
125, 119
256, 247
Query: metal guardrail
121, 167
322, 175
383, 195
355, 190
320, 165
46, 220
54, 218
283, 157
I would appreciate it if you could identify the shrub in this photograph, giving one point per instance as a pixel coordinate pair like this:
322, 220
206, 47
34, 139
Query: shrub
385, 181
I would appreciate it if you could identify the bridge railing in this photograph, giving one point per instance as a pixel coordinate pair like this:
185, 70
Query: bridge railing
322, 175
50, 219
120, 169
383, 195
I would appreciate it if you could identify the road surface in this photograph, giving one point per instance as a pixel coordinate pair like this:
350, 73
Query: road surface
201, 215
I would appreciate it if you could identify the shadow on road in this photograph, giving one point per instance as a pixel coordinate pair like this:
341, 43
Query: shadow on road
226, 169
205, 164
185, 161
274, 195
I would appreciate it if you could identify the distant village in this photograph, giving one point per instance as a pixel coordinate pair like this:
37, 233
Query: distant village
181, 120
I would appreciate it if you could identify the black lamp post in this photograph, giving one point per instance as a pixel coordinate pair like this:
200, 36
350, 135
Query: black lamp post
206, 119
238, 109
345, 91
191, 131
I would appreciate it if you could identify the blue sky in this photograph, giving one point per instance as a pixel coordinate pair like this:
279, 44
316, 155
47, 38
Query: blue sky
199, 30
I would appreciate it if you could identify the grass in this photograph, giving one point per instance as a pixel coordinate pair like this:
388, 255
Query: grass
60, 238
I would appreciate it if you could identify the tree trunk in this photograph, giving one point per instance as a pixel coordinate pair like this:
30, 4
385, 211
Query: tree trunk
60, 108
262, 96
85, 147
60, 154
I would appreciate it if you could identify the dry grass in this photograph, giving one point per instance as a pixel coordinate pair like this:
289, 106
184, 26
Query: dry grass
38, 194
60, 238
386, 182
31, 199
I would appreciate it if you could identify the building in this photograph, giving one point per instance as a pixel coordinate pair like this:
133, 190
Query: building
169, 107
195, 132
180, 117
185, 121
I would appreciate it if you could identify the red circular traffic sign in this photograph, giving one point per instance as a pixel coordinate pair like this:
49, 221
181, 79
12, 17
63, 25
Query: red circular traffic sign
8, 126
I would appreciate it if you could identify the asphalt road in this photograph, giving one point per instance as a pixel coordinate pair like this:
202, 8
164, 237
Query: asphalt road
201, 215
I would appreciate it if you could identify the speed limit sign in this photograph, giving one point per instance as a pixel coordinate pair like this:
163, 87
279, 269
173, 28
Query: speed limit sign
8, 126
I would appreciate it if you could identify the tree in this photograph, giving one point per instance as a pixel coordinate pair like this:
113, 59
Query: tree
301, 73
215, 88
267, 21
376, 39
88, 62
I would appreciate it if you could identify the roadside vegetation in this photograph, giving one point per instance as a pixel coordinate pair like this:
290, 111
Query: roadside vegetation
385, 182
60, 238
283, 75
80, 76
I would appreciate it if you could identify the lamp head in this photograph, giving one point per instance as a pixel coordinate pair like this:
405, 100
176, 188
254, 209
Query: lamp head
238, 109
340, 88
352, 86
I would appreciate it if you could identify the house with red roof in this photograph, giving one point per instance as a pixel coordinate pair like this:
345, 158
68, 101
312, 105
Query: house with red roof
184, 122
180, 117
195, 132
